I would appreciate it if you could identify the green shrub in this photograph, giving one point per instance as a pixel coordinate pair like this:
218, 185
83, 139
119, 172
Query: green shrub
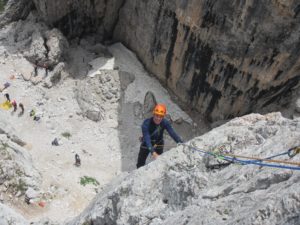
88, 180
66, 134
21, 186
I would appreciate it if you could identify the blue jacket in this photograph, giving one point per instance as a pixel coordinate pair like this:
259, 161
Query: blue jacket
153, 133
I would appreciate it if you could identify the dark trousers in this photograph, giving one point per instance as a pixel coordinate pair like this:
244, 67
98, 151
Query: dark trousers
144, 152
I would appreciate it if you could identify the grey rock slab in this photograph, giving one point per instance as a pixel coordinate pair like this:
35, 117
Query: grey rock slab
177, 188
10, 217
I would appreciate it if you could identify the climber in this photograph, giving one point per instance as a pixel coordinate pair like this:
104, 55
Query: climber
55, 142
153, 130
7, 104
6, 85
7, 97
14, 104
77, 160
22, 108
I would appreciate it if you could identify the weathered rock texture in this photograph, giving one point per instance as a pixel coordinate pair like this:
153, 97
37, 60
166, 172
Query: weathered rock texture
76, 18
9, 217
178, 188
44, 50
224, 58
17, 172
92, 94
15, 10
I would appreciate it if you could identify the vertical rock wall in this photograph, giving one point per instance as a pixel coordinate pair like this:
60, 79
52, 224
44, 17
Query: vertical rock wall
225, 58
79, 17
15, 10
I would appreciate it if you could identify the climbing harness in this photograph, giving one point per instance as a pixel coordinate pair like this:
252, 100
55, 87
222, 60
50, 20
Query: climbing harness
157, 130
157, 146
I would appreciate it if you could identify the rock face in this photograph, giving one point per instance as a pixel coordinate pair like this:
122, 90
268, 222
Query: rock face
225, 58
15, 10
178, 188
75, 18
9, 217
92, 94
17, 172
44, 50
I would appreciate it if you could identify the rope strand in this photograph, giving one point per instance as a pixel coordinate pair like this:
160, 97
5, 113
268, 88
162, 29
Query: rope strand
234, 158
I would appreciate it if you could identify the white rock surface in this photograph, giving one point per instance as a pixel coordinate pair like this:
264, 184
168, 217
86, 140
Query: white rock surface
9, 217
178, 189
136, 91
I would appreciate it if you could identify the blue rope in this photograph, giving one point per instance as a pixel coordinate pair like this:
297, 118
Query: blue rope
271, 157
288, 152
245, 162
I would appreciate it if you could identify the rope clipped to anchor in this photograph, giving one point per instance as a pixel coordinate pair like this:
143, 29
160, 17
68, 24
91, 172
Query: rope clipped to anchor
268, 162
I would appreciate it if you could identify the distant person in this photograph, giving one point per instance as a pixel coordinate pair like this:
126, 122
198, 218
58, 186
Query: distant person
14, 104
6, 85
153, 130
7, 97
22, 108
77, 160
27, 200
34, 115
55, 142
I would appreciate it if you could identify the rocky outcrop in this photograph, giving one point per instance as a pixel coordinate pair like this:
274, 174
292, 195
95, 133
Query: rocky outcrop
76, 18
9, 217
43, 49
179, 189
17, 172
15, 10
94, 93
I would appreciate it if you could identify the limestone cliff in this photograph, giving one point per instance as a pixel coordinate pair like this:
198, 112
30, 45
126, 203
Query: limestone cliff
15, 10
225, 58
78, 17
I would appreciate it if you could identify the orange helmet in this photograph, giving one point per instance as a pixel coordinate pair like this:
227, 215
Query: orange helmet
160, 110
